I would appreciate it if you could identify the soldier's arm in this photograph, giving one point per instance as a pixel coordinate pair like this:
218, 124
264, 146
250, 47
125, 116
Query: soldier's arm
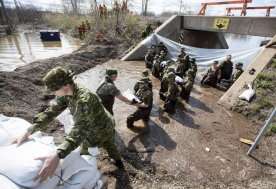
41, 120
79, 132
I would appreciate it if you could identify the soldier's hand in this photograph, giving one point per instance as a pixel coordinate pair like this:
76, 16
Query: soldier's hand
20, 140
142, 105
49, 167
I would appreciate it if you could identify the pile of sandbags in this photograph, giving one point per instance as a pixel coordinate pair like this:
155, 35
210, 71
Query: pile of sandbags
18, 166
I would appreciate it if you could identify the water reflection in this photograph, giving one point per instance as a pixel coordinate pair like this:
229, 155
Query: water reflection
20, 49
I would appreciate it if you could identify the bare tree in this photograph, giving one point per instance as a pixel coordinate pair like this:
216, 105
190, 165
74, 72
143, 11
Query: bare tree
145, 7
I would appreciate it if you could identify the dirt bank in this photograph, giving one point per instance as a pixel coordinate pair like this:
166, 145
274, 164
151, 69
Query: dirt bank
265, 99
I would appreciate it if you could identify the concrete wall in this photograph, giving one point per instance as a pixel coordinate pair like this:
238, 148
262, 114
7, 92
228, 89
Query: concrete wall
259, 26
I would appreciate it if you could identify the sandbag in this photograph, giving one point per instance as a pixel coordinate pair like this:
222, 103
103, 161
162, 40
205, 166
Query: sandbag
128, 94
18, 162
179, 80
11, 128
247, 94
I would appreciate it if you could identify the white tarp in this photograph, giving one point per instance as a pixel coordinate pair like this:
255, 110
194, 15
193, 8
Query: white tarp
18, 166
204, 57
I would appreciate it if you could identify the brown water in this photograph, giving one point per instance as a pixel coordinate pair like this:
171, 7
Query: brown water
20, 49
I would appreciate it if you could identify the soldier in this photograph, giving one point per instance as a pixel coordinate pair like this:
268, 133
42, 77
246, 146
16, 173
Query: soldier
226, 68
107, 91
149, 58
187, 86
237, 72
171, 94
212, 75
156, 66
193, 67
88, 25
94, 126
165, 83
161, 47
225, 84
182, 53
182, 66
144, 93
145, 78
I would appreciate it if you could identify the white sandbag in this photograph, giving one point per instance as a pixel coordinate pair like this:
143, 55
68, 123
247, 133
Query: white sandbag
163, 64
18, 162
67, 120
11, 128
247, 94
128, 94
179, 79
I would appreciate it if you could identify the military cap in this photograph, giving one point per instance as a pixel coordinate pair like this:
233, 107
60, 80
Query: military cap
57, 78
193, 60
111, 72
145, 73
239, 64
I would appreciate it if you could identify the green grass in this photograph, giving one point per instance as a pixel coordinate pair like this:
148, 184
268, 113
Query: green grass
262, 103
266, 80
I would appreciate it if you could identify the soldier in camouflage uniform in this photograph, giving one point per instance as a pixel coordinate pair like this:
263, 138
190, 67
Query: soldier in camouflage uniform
145, 95
182, 53
226, 69
107, 91
145, 78
93, 125
161, 47
193, 67
187, 86
171, 94
182, 66
165, 83
149, 58
156, 69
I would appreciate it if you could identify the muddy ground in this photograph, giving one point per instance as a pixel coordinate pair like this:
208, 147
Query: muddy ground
198, 147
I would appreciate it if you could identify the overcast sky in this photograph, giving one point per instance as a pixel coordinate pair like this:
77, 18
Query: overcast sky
158, 6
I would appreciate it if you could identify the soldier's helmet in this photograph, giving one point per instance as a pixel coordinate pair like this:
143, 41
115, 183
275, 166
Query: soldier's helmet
193, 60
239, 65
187, 58
57, 78
110, 72
145, 73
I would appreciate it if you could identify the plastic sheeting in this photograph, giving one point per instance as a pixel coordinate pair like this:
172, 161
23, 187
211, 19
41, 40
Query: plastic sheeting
204, 57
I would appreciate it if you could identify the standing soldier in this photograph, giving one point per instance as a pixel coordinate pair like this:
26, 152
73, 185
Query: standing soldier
183, 64
171, 94
107, 91
165, 83
161, 47
182, 53
187, 86
226, 68
145, 78
94, 126
150, 57
144, 93
88, 25
193, 67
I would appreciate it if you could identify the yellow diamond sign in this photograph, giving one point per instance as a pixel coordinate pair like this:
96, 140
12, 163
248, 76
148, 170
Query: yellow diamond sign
221, 23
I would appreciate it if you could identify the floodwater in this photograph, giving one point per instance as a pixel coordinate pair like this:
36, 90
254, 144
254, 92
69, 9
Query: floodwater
23, 48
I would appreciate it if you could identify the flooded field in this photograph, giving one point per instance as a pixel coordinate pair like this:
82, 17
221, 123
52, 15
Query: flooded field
23, 48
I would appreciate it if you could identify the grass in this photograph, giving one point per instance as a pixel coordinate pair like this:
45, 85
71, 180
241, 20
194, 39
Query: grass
266, 80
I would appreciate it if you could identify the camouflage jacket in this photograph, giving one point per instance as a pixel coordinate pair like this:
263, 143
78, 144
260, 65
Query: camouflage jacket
92, 122
173, 91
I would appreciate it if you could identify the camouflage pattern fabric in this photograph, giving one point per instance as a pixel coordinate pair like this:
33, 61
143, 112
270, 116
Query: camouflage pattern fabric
93, 124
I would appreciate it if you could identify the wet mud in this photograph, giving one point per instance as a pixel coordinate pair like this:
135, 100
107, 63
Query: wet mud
198, 147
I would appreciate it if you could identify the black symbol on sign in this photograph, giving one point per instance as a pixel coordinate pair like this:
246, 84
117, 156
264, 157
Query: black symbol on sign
220, 26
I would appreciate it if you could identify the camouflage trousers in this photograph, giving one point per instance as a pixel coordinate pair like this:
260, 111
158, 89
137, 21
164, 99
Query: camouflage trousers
140, 113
